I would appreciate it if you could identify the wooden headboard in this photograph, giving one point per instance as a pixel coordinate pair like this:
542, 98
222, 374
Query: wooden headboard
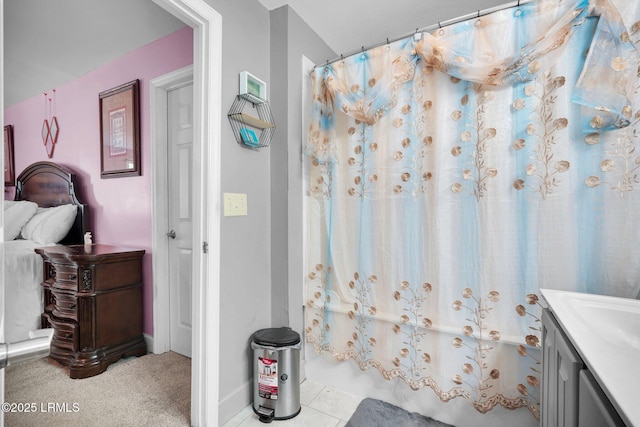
49, 185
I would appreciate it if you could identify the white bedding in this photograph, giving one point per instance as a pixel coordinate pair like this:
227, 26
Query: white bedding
22, 291
39, 227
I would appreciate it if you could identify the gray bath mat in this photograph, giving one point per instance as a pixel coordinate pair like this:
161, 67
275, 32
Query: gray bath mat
376, 413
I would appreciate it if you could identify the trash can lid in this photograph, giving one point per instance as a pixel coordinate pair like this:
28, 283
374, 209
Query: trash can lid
276, 337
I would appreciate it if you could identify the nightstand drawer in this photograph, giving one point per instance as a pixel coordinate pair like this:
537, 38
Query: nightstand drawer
66, 277
65, 305
65, 334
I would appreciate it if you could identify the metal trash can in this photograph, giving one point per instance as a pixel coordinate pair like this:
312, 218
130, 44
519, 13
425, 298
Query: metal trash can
276, 372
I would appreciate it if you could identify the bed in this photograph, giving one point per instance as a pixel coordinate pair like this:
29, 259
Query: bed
45, 211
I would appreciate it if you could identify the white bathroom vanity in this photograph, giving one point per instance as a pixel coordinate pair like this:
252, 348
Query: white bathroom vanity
591, 360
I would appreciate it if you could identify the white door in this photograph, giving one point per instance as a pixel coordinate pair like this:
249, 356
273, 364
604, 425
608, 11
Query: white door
180, 158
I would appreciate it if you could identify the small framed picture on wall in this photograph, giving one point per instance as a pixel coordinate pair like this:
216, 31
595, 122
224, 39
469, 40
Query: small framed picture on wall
120, 131
252, 85
9, 163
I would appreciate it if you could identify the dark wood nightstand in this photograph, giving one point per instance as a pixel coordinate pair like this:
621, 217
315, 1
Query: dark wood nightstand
93, 301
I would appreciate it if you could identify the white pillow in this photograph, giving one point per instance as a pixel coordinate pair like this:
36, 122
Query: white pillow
16, 215
50, 225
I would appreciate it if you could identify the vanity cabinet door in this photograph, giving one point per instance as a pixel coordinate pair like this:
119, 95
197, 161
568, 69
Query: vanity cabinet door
595, 408
561, 368
549, 408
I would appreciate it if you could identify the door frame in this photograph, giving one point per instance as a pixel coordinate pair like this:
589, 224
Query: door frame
207, 119
2, 213
159, 89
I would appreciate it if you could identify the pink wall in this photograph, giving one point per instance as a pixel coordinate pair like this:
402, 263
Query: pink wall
120, 208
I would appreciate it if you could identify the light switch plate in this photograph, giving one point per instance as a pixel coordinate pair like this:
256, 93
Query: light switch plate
235, 204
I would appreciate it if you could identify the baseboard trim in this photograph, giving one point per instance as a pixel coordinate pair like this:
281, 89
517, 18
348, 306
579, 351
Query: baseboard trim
148, 339
231, 405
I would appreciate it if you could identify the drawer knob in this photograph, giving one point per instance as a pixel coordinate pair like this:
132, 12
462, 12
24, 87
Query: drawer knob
73, 277
68, 335
72, 307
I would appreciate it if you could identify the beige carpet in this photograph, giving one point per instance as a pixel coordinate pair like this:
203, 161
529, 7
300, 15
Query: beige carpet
153, 390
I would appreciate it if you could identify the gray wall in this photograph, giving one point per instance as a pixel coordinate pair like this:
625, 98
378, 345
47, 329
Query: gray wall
302, 40
291, 38
279, 173
261, 265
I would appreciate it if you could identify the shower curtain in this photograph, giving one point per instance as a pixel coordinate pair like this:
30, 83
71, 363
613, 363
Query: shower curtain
453, 175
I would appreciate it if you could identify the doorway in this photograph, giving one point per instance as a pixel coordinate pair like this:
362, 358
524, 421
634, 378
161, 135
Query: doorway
207, 113
207, 25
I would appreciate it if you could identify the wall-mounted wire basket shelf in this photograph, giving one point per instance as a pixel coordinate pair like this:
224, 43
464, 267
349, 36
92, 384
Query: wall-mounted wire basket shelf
246, 125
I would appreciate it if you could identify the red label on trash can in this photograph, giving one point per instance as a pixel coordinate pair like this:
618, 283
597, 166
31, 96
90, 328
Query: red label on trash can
267, 378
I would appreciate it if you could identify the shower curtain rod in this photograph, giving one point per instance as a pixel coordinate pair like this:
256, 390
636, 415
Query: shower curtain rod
430, 28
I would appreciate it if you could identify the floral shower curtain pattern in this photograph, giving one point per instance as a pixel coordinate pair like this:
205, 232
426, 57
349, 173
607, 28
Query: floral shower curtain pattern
453, 175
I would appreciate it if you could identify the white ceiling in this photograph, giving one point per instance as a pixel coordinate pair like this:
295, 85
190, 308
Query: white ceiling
347, 25
51, 42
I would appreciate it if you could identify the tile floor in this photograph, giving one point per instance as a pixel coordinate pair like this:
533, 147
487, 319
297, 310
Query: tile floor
322, 406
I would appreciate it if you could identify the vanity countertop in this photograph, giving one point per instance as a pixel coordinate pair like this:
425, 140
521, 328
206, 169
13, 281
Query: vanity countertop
606, 334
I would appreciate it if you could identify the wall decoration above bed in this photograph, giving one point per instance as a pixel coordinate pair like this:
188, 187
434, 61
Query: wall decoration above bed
9, 163
50, 127
120, 131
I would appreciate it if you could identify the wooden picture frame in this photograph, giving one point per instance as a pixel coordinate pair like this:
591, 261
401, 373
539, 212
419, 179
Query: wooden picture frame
9, 162
120, 131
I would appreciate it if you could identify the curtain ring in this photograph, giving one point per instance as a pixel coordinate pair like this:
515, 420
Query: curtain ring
387, 40
478, 13
439, 25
